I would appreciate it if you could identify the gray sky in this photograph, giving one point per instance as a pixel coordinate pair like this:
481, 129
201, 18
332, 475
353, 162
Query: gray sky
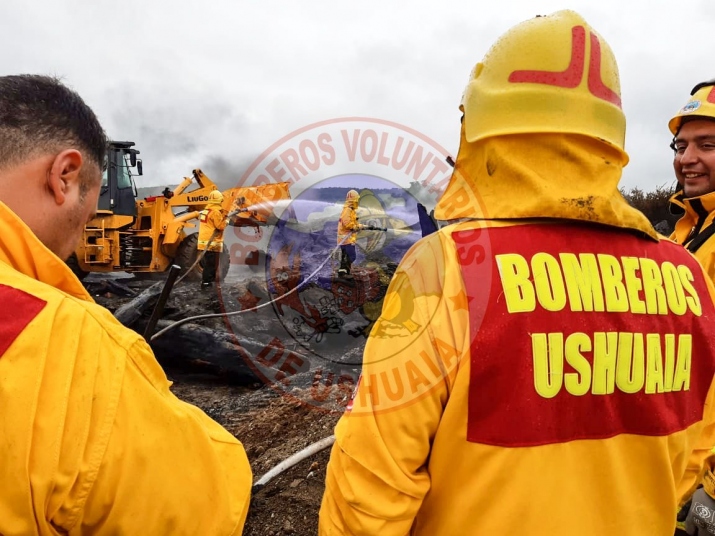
213, 83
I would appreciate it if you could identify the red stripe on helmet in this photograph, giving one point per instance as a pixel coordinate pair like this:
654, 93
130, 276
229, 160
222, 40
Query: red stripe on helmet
595, 83
569, 78
711, 96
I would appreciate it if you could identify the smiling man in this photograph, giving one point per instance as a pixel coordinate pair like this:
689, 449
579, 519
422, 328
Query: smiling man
693, 128
92, 441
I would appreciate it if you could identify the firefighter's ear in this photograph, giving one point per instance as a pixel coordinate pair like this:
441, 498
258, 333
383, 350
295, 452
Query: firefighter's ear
63, 175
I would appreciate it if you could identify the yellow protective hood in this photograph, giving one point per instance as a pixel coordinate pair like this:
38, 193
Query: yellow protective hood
21, 249
544, 175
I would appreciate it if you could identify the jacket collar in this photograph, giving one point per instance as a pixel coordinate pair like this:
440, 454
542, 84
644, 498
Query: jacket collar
23, 251
695, 207
526, 176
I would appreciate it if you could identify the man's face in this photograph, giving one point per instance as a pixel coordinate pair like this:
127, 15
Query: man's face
77, 212
694, 161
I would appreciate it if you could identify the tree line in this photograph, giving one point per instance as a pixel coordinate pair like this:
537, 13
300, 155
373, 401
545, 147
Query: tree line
654, 205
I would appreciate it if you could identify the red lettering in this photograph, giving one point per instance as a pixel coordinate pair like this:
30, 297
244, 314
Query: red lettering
417, 164
430, 364
415, 377
315, 389
438, 165
439, 186
308, 150
467, 250
292, 162
368, 154
468, 255
290, 366
351, 148
459, 198
369, 385
399, 391
324, 143
272, 353
397, 161
346, 386
349, 406
448, 352
275, 345
381, 158
274, 171
244, 254
243, 235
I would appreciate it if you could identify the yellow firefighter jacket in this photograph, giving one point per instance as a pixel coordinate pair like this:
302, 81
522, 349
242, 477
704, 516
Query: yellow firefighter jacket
530, 375
211, 219
348, 224
697, 221
92, 440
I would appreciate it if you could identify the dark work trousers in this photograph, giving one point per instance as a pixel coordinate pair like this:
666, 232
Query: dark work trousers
209, 263
347, 256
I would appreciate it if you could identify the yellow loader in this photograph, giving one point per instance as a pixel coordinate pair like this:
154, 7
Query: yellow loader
144, 236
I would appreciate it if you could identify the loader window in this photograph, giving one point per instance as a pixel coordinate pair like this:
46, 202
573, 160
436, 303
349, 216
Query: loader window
124, 178
105, 180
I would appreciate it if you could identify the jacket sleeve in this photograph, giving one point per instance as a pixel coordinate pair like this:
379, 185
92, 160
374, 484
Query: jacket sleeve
167, 468
701, 463
377, 476
350, 222
218, 219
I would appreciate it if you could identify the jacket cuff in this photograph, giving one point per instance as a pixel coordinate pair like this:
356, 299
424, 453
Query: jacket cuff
709, 483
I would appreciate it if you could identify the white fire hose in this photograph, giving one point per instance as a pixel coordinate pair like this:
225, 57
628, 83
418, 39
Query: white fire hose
292, 460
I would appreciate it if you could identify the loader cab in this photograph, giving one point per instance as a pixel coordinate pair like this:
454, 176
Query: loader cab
118, 192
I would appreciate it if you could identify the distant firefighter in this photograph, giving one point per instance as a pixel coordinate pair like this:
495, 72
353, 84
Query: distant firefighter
348, 227
212, 222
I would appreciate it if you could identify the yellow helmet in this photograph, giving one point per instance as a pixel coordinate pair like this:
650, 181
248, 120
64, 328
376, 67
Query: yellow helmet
215, 197
352, 195
701, 104
548, 74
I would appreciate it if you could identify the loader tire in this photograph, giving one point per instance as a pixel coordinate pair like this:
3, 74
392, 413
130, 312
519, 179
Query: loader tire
73, 263
187, 253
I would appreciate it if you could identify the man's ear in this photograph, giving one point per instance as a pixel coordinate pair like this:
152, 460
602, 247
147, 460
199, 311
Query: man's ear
63, 175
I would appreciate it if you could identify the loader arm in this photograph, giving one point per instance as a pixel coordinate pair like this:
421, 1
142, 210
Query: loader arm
197, 198
255, 205
175, 229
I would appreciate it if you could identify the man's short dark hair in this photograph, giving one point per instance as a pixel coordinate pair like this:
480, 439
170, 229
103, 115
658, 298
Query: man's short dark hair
39, 114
